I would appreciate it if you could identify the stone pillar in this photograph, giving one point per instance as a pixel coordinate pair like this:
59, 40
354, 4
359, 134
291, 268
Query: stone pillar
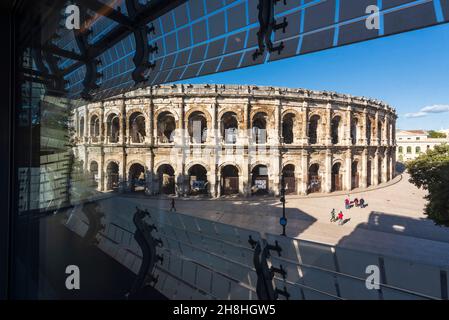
101, 171
375, 177
219, 183
86, 159
151, 126
149, 174
328, 172
304, 171
246, 124
123, 133
86, 123
213, 136
348, 140
393, 162
182, 179
216, 149
363, 129
348, 170
182, 124
275, 167
386, 141
385, 166
378, 134
123, 174
328, 126
212, 178
393, 133
364, 176
275, 132
76, 124
102, 126
305, 121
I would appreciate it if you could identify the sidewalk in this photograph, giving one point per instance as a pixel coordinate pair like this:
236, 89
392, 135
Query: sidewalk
393, 223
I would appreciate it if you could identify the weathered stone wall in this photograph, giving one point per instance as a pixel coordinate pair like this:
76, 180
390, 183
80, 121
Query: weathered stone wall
364, 150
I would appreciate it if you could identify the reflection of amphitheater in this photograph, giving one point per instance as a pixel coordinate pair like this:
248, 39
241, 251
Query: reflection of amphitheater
190, 139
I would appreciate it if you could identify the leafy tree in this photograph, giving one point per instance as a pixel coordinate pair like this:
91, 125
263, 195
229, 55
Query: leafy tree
435, 134
430, 171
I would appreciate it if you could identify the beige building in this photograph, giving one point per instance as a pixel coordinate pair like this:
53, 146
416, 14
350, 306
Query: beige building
411, 143
228, 139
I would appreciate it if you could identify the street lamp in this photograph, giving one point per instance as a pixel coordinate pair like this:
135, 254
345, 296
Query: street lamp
283, 219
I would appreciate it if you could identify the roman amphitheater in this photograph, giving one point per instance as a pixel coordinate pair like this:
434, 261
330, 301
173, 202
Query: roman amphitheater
220, 140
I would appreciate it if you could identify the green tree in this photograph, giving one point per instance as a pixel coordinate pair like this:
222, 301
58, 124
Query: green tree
430, 171
435, 134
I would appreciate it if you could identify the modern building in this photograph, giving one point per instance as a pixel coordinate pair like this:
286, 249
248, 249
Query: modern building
230, 139
411, 143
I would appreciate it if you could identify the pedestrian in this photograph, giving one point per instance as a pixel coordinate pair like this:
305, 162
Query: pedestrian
340, 218
356, 202
362, 203
347, 203
333, 217
173, 208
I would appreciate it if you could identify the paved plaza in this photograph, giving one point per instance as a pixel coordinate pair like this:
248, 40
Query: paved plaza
393, 223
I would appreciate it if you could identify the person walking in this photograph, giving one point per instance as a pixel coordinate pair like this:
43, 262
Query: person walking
362, 203
347, 203
173, 208
340, 218
333, 216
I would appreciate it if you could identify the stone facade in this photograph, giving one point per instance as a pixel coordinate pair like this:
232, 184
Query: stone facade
412, 143
227, 139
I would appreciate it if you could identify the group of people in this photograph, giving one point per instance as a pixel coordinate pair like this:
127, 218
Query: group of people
335, 217
348, 205
356, 202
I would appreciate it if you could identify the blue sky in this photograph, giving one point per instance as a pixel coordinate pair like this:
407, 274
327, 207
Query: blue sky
409, 71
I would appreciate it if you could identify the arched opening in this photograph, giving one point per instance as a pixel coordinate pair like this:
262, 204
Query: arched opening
230, 180
229, 127
409, 150
369, 173
355, 174
313, 129
81, 127
336, 184
112, 176
197, 127
335, 129
368, 132
288, 172
94, 128
198, 180
259, 126
287, 128
401, 150
136, 177
389, 132
259, 180
369, 170
354, 130
379, 130
113, 127
137, 127
380, 167
93, 169
166, 175
314, 179
166, 126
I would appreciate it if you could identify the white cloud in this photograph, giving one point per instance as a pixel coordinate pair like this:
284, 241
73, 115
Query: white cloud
415, 115
438, 108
